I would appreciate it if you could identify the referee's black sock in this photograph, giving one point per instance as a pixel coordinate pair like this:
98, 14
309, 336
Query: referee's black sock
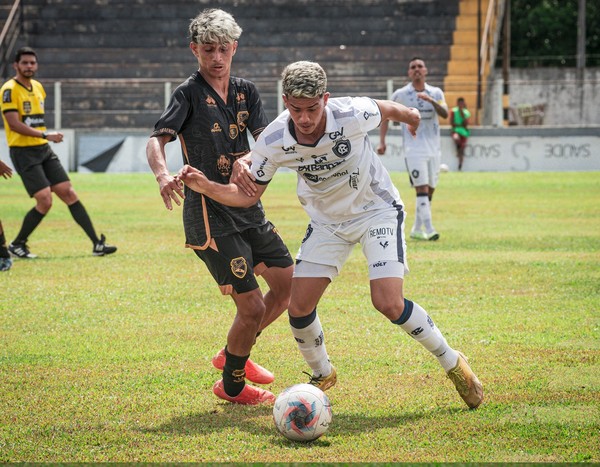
3, 250
83, 219
31, 220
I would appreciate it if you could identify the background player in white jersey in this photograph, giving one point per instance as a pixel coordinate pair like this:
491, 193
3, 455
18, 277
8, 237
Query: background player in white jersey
350, 198
423, 153
212, 113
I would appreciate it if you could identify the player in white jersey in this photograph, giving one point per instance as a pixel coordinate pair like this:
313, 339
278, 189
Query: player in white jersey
423, 153
350, 199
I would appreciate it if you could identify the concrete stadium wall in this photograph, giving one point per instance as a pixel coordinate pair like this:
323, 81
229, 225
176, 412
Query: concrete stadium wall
516, 149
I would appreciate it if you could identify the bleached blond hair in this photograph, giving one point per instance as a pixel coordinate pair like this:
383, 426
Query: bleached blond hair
214, 26
304, 79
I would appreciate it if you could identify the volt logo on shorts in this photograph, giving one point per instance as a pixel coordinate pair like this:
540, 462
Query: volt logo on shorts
239, 267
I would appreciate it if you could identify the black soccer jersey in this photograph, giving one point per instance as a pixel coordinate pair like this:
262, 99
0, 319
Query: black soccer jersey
213, 134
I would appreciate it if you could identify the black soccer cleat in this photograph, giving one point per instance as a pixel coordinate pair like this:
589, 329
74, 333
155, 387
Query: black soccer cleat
101, 248
20, 250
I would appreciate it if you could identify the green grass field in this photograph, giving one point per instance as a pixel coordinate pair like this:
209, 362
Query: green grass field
108, 359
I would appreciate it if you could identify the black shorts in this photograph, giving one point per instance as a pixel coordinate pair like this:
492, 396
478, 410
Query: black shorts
238, 258
38, 166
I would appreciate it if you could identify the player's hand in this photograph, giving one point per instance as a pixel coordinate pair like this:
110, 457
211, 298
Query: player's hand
415, 117
171, 189
426, 97
242, 176
55, 137
193, 178
381, 149
5, 170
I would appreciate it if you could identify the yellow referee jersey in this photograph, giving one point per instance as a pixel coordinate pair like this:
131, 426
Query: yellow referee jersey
30, 105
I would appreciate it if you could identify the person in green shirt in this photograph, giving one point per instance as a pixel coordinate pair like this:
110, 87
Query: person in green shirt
459, 119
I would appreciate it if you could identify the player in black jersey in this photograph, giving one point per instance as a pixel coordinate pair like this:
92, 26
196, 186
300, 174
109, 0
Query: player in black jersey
211, 113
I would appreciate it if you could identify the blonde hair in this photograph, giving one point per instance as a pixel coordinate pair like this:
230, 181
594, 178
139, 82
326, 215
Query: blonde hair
214, 26
304, 79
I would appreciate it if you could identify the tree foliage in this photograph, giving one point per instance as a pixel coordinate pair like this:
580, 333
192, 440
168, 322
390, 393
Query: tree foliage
544, 32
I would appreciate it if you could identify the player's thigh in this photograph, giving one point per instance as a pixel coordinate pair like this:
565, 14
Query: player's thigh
418, 171
321, 245
306, 293
384, 245
433, 170
387, 296
28, 164
268, 248
229, 261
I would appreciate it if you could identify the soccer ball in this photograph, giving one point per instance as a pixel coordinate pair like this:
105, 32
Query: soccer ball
302, 412
444, 168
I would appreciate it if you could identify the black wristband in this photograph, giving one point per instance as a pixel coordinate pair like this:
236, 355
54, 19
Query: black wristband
44, 135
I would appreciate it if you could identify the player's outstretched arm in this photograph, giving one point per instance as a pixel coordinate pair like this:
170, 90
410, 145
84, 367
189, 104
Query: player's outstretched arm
397, 112
170, 188
5, 170
230, 194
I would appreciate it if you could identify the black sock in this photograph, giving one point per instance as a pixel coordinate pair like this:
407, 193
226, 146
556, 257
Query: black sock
31, 220
234, 374
3, 251
83, 219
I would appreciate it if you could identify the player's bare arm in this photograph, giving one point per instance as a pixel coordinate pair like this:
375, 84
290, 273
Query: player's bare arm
5, 170
441, 110
396, 112
383, 128
230, 194
171, 189
242, 176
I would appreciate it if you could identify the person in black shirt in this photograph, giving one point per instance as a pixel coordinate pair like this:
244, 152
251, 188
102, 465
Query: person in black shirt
211, 113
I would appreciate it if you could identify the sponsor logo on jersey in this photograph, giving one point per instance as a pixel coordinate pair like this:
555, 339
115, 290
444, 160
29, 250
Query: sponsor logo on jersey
319, 159
224, 165
342, 148
242, 118
288, 150
27, 107
216, 128
210, 101
336, 134
239, 267
33, 121
233, 131
316, 167
7, 96
240, 97
353, 181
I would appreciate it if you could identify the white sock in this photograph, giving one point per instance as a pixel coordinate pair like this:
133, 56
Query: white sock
424, 212
422, 328
311, 343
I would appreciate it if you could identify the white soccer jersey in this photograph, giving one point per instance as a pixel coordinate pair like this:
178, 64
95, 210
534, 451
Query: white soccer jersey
341, 176
427, 142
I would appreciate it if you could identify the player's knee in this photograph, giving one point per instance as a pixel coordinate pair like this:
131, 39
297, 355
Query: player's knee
390, 307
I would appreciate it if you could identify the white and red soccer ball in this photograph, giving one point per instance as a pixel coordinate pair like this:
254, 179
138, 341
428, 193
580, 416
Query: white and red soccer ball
302, 412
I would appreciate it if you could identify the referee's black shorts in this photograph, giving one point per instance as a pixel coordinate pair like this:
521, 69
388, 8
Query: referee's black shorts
38, 166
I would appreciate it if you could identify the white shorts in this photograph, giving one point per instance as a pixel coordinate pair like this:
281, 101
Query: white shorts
423, 170
326, 247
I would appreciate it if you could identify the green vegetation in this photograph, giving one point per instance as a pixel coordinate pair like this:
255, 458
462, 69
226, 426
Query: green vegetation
108, 359
544, 33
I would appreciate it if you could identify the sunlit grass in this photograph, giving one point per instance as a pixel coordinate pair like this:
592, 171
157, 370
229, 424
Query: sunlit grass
108, 359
